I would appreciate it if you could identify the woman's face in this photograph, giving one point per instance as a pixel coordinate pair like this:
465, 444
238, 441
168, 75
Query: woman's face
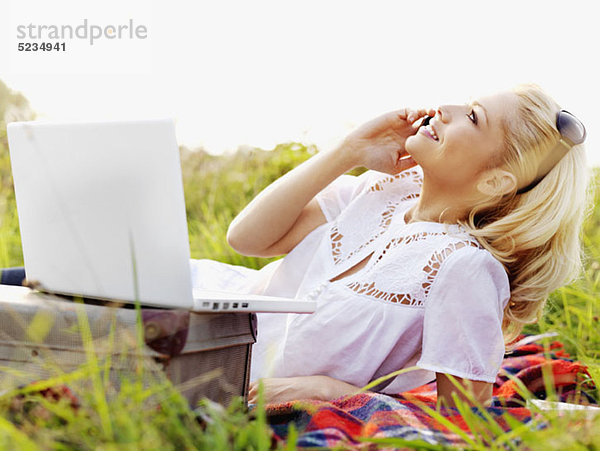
461, 140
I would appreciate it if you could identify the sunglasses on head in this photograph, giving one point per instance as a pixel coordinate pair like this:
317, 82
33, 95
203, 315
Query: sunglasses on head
572, 132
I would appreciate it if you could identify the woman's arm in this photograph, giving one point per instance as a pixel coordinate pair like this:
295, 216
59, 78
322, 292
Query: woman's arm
286, 211
481, 390
283, 389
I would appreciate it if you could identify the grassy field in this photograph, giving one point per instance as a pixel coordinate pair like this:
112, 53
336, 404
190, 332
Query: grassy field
130, 419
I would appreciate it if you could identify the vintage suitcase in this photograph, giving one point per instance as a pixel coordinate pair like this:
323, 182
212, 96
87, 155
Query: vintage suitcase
203, 354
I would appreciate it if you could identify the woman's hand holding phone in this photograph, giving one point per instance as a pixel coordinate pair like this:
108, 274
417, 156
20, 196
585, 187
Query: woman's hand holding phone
379, 143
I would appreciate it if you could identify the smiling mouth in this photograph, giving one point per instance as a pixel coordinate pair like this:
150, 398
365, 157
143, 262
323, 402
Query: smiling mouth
427, 128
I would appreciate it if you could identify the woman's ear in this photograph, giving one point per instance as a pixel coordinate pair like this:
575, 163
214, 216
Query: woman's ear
497, 182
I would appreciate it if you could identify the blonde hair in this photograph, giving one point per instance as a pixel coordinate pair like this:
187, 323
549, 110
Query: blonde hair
535, 235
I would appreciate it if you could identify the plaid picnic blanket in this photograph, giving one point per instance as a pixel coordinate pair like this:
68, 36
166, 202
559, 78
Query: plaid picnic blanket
341, 422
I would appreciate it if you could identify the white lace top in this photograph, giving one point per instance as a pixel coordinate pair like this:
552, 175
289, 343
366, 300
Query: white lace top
429, 294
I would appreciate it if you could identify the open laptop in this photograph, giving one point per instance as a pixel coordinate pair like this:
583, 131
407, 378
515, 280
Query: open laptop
102, 215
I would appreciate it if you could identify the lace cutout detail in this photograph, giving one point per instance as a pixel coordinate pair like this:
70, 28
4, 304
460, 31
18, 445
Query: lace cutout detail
384, 223
379, 185
436, 260
394, 242
371, 213
368, 289
431, 270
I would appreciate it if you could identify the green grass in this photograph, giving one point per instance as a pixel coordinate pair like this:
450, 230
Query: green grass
142, 411
154, 416
217, 188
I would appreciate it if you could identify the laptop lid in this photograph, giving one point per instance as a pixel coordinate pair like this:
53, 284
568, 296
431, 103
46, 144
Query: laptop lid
101, 209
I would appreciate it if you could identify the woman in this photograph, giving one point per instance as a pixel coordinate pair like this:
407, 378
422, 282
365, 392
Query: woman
468, 217
438, 265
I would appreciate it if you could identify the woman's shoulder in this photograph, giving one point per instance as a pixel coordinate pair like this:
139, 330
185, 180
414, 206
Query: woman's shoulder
467, 262
466, 250
455, 241
368, 188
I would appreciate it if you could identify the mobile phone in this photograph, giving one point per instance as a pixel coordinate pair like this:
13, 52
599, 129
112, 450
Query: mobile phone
426, 121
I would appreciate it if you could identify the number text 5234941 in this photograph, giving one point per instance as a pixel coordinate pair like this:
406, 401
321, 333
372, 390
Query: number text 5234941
42, 46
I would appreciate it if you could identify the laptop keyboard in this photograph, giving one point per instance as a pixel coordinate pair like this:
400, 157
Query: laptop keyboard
225, 306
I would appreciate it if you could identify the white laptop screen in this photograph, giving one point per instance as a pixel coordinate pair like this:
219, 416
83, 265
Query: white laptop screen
99, 202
